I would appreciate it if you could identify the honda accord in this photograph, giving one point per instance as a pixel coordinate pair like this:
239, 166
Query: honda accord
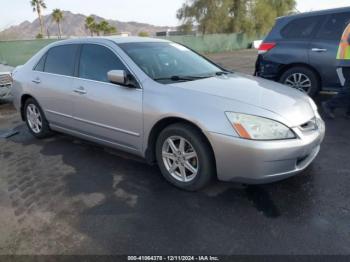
164, 102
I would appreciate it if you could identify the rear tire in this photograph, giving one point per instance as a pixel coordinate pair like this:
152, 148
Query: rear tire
36, 120
189, 167
302, 78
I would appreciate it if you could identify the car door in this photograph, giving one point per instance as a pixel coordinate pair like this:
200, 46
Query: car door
293, 47
51, 84
324, 47
106, 112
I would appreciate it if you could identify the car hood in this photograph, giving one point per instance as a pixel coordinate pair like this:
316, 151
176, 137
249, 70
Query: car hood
291, 104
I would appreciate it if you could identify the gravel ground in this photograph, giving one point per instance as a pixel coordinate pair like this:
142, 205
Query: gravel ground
66, 196
241, 61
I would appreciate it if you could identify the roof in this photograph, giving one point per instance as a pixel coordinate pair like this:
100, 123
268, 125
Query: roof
133, 39
116, 39
320, 12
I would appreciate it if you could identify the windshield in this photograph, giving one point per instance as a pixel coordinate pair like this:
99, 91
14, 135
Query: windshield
169, 62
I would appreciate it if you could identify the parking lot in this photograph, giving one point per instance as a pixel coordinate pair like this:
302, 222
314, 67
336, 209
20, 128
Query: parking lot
63, 195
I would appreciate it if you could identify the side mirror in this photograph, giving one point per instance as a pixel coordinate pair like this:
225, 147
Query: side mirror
117, 77
120, 77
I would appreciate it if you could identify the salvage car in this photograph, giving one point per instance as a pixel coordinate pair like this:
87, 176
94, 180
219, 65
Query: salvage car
164, 102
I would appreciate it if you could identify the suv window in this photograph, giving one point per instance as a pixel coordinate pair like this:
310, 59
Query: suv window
96, 61
61, 60
334, 27
301, 28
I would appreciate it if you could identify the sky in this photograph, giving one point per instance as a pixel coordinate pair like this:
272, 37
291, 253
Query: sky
156, 12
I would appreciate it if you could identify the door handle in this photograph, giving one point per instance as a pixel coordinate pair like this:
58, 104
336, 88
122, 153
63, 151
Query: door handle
81, 91
36, 81
319, 50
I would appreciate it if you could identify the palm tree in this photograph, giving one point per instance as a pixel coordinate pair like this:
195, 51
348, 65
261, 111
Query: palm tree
112, 30
38, 5
90, 24
57, 16
106, 28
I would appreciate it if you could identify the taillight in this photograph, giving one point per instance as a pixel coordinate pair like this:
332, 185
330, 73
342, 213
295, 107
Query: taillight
266, 47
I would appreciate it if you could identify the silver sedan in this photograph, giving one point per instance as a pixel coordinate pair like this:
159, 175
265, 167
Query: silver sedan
161, 101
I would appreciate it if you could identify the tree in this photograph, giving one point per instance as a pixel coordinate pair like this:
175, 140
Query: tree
210, 15
143, 34
233, 16
90, 24
266, 11
57, 16
37, 6
112, 30
239, 17
105, 28
97, 28
186, 27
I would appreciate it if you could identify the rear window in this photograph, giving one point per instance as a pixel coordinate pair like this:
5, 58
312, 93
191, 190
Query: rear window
302, 28
334, 27
61, 60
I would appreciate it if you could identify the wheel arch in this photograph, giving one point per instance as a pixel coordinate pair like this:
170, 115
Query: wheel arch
23, 100
285, 68
160, 126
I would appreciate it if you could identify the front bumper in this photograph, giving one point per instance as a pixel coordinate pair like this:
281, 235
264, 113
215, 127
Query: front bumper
259, 162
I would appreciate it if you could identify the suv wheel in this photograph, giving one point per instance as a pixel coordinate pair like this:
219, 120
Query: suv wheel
302, 78
184, 157
36, 120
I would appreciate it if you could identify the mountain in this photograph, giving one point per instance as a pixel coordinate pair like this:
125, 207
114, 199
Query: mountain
73, 25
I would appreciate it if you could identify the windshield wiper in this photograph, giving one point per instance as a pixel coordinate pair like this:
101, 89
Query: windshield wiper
220, 73
181, 78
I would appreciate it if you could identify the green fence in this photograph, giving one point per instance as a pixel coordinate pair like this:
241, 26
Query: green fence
215, 43
15, 53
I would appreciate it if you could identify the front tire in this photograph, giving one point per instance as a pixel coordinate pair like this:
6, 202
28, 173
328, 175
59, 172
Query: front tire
36, 120
302, 78
185, 157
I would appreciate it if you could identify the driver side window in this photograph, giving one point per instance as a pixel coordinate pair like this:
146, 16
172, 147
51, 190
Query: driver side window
96, 61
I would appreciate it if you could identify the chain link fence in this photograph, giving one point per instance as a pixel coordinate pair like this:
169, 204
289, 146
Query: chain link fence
16, 53
215, 43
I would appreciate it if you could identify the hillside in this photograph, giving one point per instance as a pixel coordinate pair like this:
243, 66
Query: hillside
72, 25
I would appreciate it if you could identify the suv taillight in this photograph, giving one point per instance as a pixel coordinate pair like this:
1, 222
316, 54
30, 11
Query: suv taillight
266, 47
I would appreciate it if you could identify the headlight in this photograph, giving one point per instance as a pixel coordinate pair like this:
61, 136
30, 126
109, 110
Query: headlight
259, 128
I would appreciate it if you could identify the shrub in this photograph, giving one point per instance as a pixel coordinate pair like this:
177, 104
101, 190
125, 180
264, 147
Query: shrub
144, 34
39, 36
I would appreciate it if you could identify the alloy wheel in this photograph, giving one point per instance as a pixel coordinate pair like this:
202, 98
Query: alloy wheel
34, 118
299, 81
180, 159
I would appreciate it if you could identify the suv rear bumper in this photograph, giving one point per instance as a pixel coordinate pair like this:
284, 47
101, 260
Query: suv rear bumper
266, 69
